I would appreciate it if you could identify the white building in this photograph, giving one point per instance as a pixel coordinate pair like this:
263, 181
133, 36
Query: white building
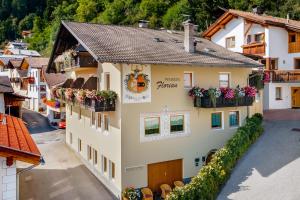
37, 87
275, 42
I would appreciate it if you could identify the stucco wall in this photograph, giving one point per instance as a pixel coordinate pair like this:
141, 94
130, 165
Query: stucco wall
136, 155
234, 28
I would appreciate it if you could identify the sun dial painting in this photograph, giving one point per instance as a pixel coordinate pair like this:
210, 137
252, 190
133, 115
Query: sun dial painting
136, 84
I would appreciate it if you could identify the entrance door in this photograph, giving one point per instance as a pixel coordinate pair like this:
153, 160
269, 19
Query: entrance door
295, 97
164, 172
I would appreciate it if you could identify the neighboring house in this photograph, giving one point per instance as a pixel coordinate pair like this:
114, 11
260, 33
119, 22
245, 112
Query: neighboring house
26, 34
37, 87
10, 102
4, 60
16, 45
22, 52
275, 42
16, 145
55, 111
152, 133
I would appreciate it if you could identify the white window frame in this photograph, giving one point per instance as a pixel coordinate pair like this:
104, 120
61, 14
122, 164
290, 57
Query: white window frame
278, 99
91, 119
108, 121
239, 117
110, 170
193, 78
89, 153
231, 46
229, 78
183, 124
222, 120
165, 126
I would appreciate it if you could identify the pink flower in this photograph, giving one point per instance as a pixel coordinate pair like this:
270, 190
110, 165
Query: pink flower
250, 91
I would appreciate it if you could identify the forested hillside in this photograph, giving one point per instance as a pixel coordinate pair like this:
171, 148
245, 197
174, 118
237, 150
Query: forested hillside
43, 16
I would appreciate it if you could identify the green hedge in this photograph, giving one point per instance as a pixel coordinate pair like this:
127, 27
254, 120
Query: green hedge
211, 178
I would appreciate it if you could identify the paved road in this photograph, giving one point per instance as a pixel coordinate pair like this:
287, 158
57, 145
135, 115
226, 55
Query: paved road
36, 122
63, 177
271, 168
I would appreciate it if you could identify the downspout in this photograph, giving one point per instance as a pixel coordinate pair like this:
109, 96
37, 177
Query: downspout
42, 162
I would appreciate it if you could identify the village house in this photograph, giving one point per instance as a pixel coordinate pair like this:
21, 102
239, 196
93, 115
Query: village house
16, 144
129, 115
271, 40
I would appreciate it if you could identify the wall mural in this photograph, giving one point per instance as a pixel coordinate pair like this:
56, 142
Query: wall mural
136, 83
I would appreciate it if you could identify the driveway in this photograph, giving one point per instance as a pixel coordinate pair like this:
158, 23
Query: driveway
36, 123
271, 168
63, 177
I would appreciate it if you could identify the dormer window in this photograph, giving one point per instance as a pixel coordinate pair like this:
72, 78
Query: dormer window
259, 37
230, 42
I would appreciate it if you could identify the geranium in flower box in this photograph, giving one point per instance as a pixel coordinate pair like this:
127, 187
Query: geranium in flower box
80, 96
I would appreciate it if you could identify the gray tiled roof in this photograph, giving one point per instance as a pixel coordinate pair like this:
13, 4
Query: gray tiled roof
53, 79
121, 44
5, 85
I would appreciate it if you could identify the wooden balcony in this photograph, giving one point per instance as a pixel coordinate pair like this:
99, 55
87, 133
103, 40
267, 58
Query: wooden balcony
254, 49
289, 76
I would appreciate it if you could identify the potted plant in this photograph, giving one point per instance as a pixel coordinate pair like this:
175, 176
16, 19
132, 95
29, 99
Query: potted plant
130, 194
196, 93
90, 95
80, 96
214, 94
69, 94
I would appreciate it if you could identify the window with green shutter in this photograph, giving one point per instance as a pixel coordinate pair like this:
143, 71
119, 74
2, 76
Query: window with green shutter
216, 120
234, 119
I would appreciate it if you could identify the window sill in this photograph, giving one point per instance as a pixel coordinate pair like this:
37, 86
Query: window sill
217, 129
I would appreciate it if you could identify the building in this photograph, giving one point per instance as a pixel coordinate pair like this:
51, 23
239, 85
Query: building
4, 60
16, 45
153, 133
22, 52
55, 109
16, 145
37, 87
274, 42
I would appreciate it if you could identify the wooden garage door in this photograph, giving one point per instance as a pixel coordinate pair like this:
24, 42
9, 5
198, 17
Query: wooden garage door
164, 172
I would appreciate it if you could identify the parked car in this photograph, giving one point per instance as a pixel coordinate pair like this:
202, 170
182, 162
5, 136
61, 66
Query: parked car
62, 124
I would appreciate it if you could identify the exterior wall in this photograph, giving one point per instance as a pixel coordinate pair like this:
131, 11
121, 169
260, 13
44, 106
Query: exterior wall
285, 102
234, 28
107, 143
2, 103
8, 188
136, 155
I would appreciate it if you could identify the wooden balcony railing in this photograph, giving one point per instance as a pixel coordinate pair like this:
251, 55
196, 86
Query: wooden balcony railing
284, 75
255, 49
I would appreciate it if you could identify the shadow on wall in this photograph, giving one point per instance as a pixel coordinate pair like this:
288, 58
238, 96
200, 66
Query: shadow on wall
276, 148
69, 184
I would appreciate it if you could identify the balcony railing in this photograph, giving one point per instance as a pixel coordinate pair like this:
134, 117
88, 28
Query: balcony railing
254, 49
206, 102
284, 75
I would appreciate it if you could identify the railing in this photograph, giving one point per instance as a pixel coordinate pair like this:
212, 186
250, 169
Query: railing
206, 102
284, 75
254, 49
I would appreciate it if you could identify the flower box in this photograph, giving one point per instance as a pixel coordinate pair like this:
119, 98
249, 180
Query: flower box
205, 102
31, 80
100, 106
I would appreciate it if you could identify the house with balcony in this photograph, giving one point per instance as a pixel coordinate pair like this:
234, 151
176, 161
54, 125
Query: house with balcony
271, 40
37, 87
144, 107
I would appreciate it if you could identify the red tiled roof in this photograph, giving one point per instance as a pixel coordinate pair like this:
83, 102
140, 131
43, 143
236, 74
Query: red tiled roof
16, 142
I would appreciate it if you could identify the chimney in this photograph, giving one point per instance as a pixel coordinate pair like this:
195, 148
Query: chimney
143, 23
257, 10
189, 42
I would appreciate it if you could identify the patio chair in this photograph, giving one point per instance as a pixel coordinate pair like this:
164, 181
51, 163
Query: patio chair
165, 190
178, 184
147, 194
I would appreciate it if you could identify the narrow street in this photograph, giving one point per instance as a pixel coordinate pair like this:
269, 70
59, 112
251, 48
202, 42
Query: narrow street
270, 169
63, 177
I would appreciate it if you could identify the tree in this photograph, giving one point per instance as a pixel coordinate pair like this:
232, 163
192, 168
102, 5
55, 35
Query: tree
175, 15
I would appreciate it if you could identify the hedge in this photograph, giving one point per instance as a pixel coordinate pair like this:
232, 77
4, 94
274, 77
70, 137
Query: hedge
212, 177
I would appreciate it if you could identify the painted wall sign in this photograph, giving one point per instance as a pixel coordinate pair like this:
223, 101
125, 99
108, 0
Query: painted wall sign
136, 83
169, 82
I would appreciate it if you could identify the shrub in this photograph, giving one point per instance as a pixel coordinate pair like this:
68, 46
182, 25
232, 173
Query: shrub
211, 178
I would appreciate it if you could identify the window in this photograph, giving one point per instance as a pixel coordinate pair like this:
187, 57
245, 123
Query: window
230, 42
176, 123
56, 115
113, 170
71, 138
216, 120
104, 164
152, 125
79, 113
249, 39
107, 81
106, 122
188, 79
259, 37
297, 63
224, 80
79, 145
292, 37
95, 157
43, 88
274, 64
234, 118
278, 93
99, 120
89, 152
93, 118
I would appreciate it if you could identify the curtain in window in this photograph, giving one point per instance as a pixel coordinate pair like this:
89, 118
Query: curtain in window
216, 120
